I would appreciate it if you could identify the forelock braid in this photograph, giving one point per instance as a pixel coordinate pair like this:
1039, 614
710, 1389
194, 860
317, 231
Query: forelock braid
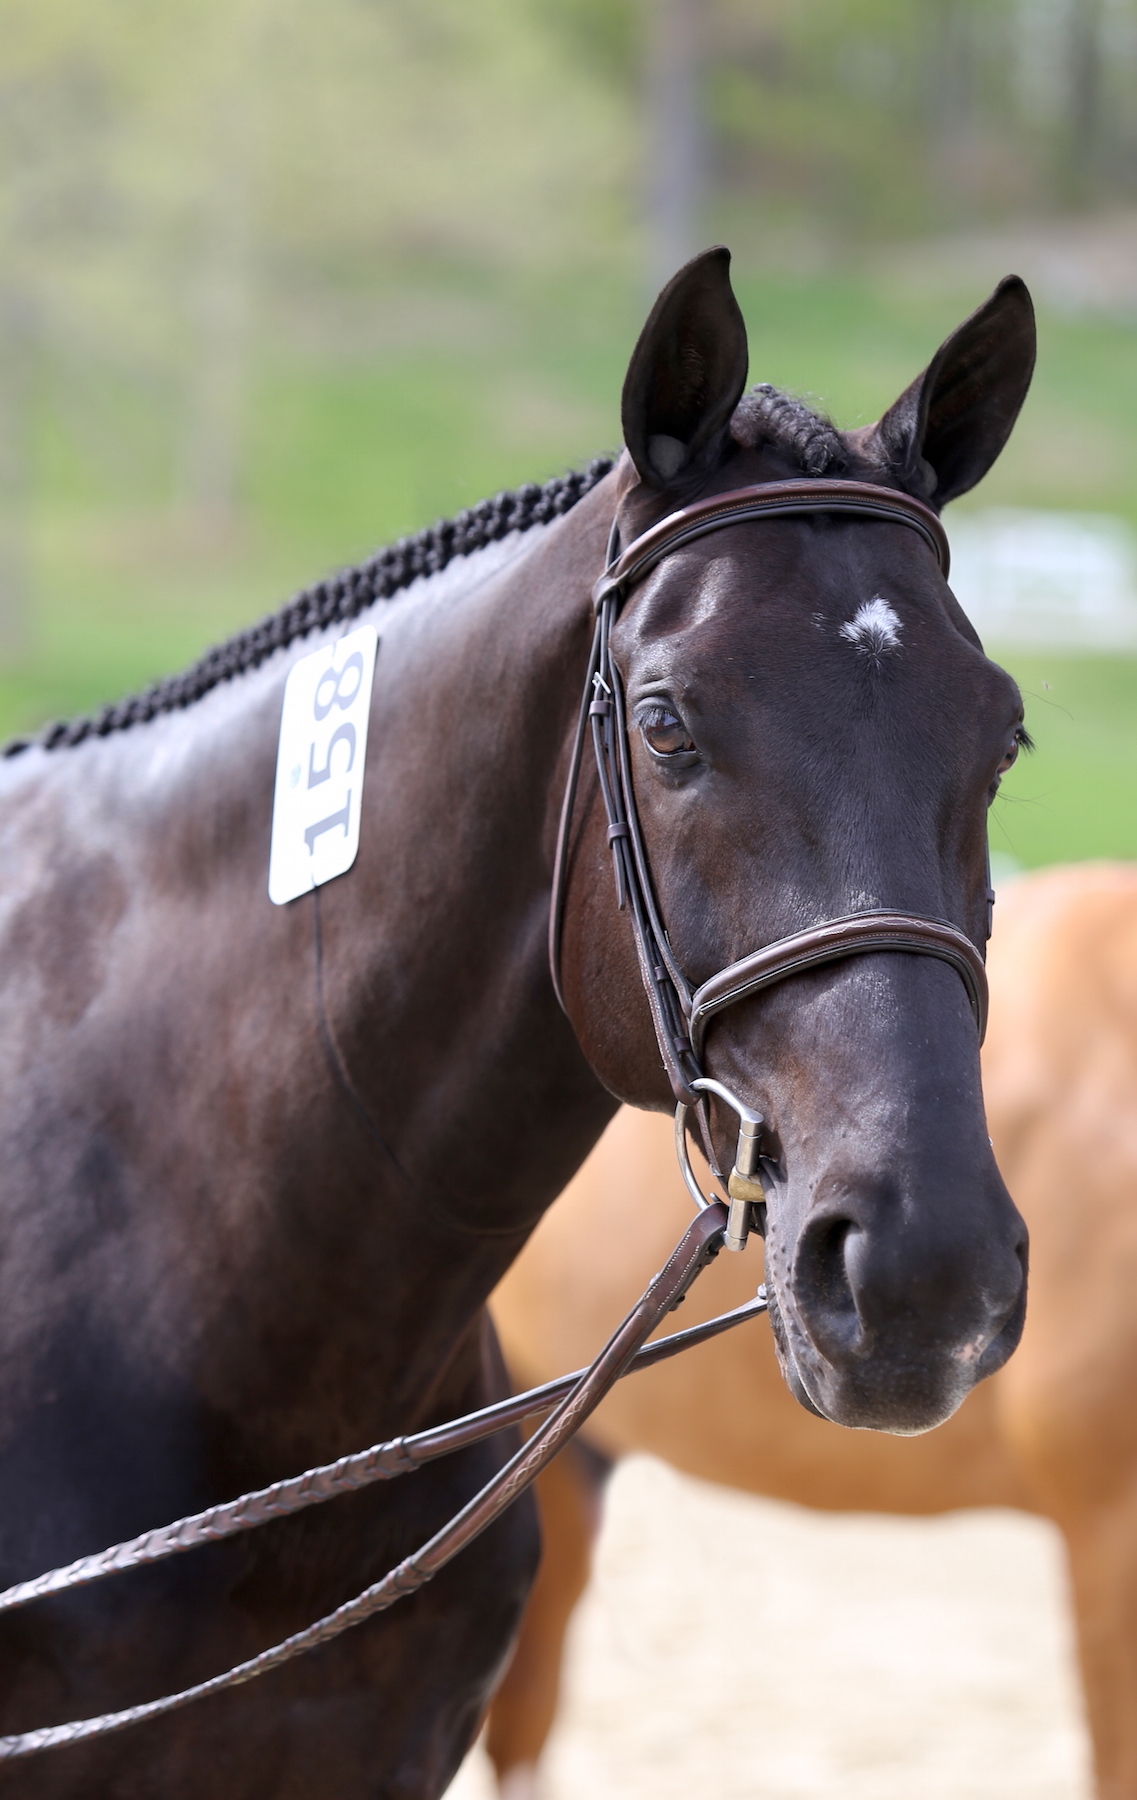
767, 414
341, 597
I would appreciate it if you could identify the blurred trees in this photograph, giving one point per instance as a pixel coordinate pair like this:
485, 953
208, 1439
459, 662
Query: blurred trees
674, 136
182, 184
884, 118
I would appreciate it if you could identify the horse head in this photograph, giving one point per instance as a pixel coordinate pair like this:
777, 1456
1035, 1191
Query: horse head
811, 730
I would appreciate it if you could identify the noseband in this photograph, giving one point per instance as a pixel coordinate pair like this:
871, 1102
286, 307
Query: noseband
679, 1014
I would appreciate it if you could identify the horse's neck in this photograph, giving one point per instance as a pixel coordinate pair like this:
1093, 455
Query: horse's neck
439, 1009
348, 1109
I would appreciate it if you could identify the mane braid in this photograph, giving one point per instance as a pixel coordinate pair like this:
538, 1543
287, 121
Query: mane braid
766, 414
342, 596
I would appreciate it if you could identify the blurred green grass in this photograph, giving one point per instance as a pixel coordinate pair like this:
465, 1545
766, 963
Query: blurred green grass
347, 448
1076, 795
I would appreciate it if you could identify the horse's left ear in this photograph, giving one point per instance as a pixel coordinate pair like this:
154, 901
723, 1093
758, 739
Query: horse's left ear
686, 375
946, 430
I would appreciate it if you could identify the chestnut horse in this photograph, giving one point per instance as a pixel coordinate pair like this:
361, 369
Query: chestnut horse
263, 1164
1054, 1432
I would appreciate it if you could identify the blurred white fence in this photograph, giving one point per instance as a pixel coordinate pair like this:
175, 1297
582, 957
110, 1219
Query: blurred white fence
1052, 579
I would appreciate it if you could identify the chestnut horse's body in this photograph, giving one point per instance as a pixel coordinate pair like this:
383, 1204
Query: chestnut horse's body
1055, 1432
262, 1165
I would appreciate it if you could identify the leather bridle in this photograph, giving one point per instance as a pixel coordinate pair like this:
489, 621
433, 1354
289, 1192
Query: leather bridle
680, 1015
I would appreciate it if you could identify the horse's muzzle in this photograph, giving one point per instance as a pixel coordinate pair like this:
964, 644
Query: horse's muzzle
889, 1329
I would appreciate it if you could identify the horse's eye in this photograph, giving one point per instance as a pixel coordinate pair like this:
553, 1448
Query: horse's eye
666, 734
1018, 742
1021, 741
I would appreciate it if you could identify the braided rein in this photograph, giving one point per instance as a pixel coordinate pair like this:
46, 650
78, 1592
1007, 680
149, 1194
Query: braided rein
569, 1401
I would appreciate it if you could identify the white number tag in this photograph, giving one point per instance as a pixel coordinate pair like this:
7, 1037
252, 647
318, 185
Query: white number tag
319, 765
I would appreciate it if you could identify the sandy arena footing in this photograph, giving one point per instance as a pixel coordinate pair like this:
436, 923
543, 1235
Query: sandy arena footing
736, 1649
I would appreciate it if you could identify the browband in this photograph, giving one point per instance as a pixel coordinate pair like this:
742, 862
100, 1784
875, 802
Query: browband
769, 499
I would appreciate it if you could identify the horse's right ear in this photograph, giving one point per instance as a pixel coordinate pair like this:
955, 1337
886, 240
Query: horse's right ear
686, 375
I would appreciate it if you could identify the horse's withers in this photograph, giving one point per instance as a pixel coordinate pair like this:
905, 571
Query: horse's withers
816, 732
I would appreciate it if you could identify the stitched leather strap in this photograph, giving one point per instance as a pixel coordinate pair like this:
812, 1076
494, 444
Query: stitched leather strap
698, 1244
770, 499
854, 935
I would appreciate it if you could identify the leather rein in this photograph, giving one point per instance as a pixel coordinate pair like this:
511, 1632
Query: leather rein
681, 1017
568, 1401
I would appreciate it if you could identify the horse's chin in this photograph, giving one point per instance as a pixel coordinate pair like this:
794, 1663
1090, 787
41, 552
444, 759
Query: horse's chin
904, 1401
787, 1362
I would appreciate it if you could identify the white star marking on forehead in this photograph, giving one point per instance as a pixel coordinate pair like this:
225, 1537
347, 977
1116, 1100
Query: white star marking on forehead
874, 628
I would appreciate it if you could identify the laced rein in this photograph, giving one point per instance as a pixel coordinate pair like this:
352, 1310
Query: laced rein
571, 1397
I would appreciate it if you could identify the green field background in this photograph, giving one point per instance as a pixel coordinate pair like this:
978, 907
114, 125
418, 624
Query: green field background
471, 388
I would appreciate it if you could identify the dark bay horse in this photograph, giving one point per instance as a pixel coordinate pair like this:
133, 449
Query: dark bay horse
262, 1164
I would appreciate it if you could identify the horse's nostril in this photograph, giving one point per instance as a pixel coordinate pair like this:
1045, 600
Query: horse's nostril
822, 1286
1007, 1320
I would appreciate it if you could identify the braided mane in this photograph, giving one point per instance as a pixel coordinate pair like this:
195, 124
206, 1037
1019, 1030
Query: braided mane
803, 436
764, 413
340, 597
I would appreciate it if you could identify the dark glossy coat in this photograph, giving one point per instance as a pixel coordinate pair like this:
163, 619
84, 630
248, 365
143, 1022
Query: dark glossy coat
261, 1166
